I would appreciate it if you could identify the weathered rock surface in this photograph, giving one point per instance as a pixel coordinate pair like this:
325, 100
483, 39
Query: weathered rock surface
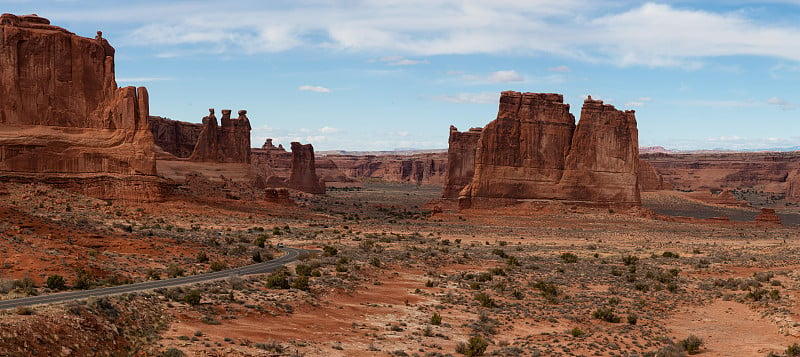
650, 180
303, 176
793, 185
62, 115
533, 150
603, 161
228, 141
178, 138
460, 160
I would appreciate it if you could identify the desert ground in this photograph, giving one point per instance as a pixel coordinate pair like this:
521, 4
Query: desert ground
390, 278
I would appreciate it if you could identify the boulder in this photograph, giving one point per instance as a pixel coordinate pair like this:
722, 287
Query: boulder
303, 175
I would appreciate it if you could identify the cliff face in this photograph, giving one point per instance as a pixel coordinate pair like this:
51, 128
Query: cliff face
460, 160
61, 113
603, 161
533, 150
228, 142
175, 137
303, 176
793, 186
650, 179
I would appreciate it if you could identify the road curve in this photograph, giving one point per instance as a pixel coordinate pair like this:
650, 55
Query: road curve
291, 255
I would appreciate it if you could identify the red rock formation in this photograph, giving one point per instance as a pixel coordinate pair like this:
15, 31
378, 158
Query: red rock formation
768, 172
269, 146
62, 115
534, 151
603, 161
175, 137
304, 176
793, 186
768, 215
650, 179
521, 154
228, 142
460, 160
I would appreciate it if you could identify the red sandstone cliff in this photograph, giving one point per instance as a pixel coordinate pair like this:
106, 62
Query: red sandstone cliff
225, 142
460, 160
793, 185
603, 161
177, 138
650, 179
62, 116
533, 150
304, 176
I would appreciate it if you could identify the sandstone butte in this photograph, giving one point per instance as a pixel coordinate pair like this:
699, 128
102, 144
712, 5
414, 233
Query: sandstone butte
534, 150
227, 141
63, 119
304, 176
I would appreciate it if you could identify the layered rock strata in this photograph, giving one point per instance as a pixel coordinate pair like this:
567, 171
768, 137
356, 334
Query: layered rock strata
62, 116
533, 150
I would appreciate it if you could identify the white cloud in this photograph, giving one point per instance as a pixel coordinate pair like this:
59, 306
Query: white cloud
505, 76
781, 103
475, 98
624, 33
399, 61
639, 102
328, 130
559, 69
316, 89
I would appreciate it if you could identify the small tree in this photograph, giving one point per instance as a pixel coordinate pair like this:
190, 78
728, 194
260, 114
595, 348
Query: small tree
476, 346
691, 344
301, 283
278, 280
56, 282
202, 257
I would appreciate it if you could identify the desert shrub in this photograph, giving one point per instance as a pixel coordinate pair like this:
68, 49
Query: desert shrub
202, 257
691, 344
500, 253
375, 261
630, 259
218, 265
569, 257
763, 276
56, 282
548, 290
436, 319
278, 280
25, 285
793, 350
757, 294
605, 314
670, 255
24, 310
484, 299
303, 270
153, 274
476, 346
260, 241
632, 318
576, 332
172, 352
174, 271
193, 297
301, 283
257, 256
329, 251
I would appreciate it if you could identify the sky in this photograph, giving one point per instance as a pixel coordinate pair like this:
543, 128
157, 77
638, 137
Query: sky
395, 74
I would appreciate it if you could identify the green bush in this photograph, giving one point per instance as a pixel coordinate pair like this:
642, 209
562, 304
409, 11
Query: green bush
476, 346
174, 271
606, 314
793, 350
569, 257
329, 251
202, 257
193, 297
576, 332
691, 344
56, 282
303, 269
484, 299
548, 290
301, 283
436, 319
630, 259
218, 265
278, 280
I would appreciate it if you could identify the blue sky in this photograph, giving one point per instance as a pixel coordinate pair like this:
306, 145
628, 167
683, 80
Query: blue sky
387, 74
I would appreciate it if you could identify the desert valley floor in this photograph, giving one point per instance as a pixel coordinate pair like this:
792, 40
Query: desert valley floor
390, 278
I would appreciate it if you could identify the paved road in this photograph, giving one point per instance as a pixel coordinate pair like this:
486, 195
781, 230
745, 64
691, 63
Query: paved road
260, 268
